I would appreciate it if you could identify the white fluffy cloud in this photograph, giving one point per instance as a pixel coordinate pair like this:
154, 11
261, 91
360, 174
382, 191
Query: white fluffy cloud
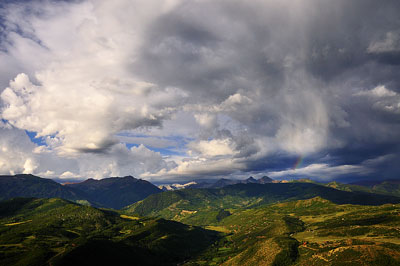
16, 151
80, 116
211, 148
84, 93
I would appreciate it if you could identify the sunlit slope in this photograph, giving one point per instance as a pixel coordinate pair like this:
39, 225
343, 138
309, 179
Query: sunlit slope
202, 206
58, 232
308, 232
346, 234
388, 187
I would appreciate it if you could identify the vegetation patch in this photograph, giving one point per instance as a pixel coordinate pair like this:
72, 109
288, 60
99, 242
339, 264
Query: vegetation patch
17, 223
129, 217
218, 228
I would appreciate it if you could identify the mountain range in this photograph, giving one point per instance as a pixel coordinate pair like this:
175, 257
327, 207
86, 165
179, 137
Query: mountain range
115, 192
203, 205
222, 182
385, 187
246, 223
177, 186
118, 192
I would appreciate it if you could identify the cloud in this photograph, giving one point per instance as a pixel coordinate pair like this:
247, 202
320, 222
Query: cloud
19, 155
68, 175
15, 151
218, 87
383, 98
196, 169
148, 141
322, 172
207, 120
379, 91
85, 94
215, 147
391, 43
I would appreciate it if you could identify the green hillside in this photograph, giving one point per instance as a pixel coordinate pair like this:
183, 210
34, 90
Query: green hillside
303, 232
245, 224
58, 232
324, 227
389, 187
201, 206
310, 232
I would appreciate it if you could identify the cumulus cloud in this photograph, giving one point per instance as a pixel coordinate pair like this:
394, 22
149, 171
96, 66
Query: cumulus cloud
197, 168
19, 155
80, 117
201, 88
84, 94
15, 151
121, 161
215, 147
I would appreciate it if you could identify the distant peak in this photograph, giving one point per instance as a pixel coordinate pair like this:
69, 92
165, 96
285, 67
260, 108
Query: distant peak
129, 177
265, 179
89, 180
250, 180
25, 175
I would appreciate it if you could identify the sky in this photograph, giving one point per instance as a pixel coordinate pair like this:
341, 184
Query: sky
176, 90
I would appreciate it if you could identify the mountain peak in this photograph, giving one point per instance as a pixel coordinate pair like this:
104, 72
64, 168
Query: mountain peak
265, 179
116, 192
250, 180
177, 186
25, 176
129, 177
27, 185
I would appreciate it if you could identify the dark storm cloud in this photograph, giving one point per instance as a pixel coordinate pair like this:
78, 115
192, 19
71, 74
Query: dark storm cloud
342, 47
206, 48
341, 32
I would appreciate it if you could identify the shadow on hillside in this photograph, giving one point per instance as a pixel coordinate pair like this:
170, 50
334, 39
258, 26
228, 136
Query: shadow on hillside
167, 243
